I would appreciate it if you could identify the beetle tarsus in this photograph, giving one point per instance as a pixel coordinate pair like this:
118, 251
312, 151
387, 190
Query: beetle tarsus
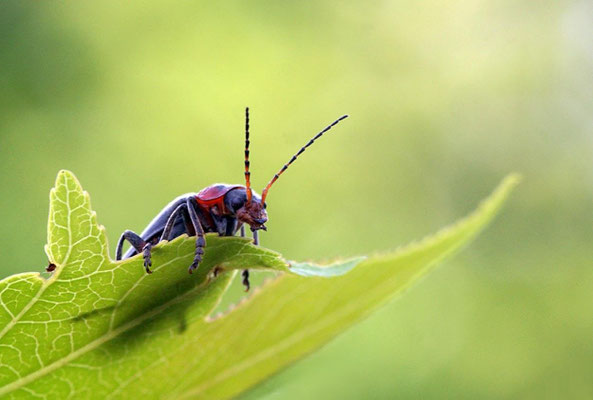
246, 280
200, 243
146, 254
195, 264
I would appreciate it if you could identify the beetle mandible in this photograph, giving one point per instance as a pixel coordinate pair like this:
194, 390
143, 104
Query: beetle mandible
219, 208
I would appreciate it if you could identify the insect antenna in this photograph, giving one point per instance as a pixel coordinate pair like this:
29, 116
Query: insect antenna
275, 178
247, 173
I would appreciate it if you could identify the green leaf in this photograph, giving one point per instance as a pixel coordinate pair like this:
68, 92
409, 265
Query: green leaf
104, 329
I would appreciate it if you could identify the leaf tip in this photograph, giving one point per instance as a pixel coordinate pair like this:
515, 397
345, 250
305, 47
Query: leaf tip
511, 180
64, 176
500, 193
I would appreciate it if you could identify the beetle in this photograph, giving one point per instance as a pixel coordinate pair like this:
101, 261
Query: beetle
219, 208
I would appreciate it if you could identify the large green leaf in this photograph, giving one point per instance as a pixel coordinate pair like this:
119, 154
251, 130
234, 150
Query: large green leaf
104, 329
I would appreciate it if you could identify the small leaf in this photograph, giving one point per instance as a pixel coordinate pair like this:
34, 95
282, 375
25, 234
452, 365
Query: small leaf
104, 329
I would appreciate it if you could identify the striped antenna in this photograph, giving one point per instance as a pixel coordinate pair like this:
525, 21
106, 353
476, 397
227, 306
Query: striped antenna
275, 178
247, 173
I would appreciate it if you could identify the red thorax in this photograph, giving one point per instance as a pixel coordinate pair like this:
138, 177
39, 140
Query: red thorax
211, 199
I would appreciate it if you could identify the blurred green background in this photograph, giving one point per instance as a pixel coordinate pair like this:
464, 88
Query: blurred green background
144, 101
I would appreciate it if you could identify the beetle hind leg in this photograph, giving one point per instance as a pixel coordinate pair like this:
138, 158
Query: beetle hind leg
139, 245
146, 254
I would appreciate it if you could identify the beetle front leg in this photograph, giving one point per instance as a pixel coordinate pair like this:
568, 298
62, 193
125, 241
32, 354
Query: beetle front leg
200, 241
139, 245
245, 281
245, 272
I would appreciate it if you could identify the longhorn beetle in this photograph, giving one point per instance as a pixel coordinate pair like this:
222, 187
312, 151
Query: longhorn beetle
219, 208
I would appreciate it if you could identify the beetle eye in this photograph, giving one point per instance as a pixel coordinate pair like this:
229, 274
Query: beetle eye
265, 205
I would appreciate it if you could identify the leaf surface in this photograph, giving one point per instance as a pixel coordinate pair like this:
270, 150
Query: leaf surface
103, 329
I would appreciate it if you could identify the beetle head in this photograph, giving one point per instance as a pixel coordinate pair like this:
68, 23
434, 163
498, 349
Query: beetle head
254, 214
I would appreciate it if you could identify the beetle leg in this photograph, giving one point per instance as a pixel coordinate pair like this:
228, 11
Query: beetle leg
245, 272
189, 227
146, 253
171, 221
138, 244
245, 275
200, 241
136, 241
